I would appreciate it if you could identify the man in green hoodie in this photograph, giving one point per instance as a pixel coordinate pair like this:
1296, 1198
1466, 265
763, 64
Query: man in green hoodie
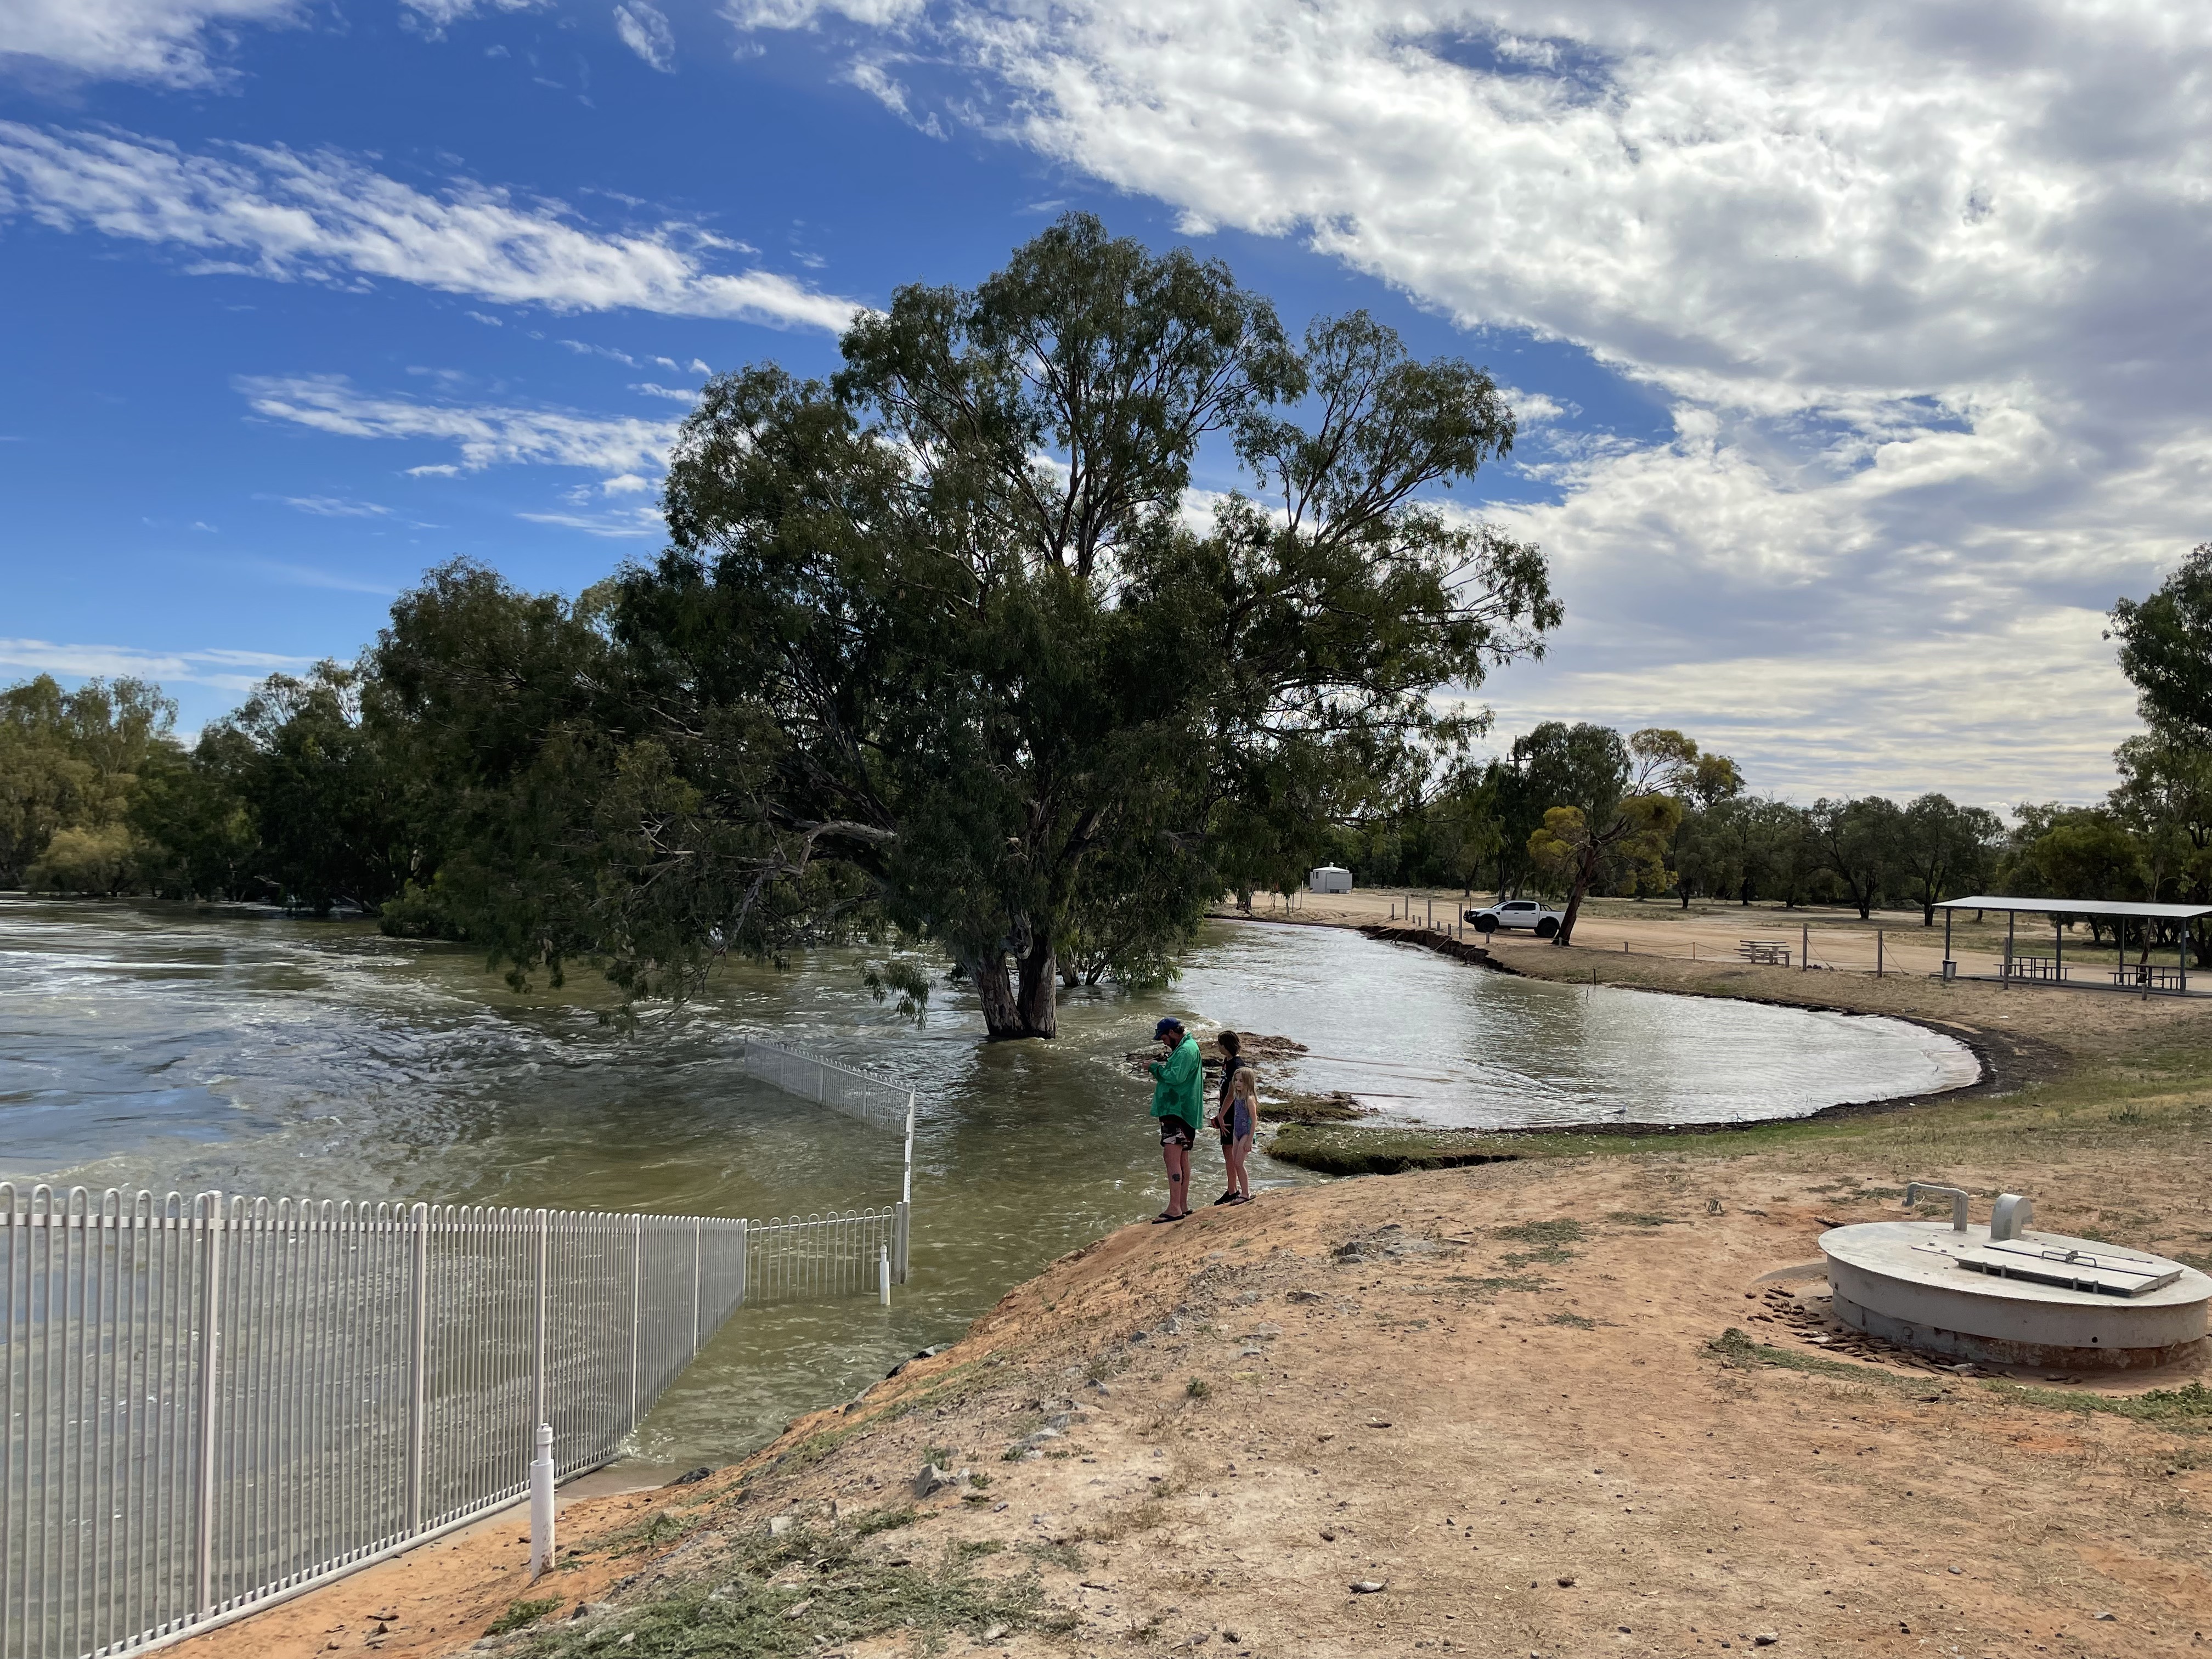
1179, 1104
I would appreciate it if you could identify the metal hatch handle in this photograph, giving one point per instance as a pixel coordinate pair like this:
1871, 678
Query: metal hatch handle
1914, 1190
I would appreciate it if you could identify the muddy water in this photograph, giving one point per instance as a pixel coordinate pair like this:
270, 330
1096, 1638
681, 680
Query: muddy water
147, 1045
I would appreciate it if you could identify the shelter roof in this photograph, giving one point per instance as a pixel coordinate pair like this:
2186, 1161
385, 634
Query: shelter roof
2045, 906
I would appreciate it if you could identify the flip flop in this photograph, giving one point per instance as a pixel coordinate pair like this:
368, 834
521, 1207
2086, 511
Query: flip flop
1165, 1216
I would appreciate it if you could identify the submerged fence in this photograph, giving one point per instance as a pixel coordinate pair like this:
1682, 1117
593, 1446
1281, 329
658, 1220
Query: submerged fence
207, 1403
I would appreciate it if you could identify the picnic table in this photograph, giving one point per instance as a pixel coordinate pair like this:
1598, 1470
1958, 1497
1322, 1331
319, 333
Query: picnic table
1771, 951
2149, 976
2038, 968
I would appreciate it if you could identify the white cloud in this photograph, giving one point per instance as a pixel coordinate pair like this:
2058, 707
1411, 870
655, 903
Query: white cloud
231, 671
869, 74
163, 41
627, 524
748, 15
334, 506
433, 17
1921, 283
325, 218
645, 32
485, 435
676, 393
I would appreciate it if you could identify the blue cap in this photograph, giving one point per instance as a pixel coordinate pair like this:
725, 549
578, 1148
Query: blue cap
1170, 1024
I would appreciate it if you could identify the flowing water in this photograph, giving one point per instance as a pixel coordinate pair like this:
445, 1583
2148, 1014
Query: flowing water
145, 1045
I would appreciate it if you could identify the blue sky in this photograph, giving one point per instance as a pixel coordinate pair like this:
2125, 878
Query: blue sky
1856, 361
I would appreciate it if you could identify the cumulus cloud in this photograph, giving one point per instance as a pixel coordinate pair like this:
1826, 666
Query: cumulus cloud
324, 217
645, 32
1920, 283
162, 41
483, 435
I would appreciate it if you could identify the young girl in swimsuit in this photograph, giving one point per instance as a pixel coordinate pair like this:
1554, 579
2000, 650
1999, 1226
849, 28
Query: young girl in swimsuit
1237, 1118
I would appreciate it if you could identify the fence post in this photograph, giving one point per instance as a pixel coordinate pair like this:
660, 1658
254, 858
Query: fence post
210, 1317
697, 1226
417, 1365
884, 1273
537, 1337
636, 1309
903, 1232
1804, 947
1877, 953
744, 1263
541, 1502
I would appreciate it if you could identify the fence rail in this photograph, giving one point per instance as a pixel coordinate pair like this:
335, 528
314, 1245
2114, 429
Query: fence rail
209, 1403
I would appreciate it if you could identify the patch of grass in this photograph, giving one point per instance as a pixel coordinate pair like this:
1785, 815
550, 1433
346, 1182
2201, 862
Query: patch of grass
1310, 1108
1640, 1219
661, 1527
885, 1520
1574, 1320
1733, 1347
519, 1614
974, 1549
1198, 1387
1524, 1283
1348, 1152
1066, 1557
1565, 1231
2187, 1408
740, 1601
940, 1456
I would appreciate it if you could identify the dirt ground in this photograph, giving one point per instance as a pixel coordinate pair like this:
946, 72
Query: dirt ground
1565, 1407
1708, 931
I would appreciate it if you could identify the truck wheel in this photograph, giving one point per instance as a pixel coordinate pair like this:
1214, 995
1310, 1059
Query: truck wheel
1485, 924
1547, 927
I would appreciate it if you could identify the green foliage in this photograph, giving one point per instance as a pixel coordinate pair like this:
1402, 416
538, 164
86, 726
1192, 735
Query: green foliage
1198, 1387
1615, 805
1342, 1150
1733, 1347
69, 763
2165, 646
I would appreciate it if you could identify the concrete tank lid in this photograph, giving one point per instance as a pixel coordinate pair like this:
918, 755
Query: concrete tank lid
1926, 1252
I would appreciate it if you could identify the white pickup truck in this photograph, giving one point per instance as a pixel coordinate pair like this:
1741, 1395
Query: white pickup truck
1517, 913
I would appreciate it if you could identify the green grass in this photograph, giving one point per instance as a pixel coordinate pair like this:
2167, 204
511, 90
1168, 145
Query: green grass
2187, 1408
1198, 1387
1733, 1347
814, 1587
1640, 1219
519, 1614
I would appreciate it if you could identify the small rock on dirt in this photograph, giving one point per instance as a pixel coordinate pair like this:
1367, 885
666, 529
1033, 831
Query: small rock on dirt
692, 1477
933, 1479
780, 1524
1367, 1587
1304, 1295
1567, 1582
1764, 1639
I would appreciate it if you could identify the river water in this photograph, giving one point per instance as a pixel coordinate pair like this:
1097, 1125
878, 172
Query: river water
154, 1046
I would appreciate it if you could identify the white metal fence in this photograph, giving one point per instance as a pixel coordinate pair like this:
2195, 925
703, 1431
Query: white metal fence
207, 1403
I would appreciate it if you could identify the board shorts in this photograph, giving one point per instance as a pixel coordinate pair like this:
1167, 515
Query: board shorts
1174, 1132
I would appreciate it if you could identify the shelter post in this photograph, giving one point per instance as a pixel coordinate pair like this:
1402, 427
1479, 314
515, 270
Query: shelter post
2058, 959
1950, 967
2010, 918
2181, 956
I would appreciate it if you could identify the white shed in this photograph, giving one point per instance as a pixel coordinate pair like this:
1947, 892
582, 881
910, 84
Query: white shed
1329, 879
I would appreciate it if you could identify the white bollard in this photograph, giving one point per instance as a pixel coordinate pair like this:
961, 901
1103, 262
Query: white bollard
883, 1274
541, 1503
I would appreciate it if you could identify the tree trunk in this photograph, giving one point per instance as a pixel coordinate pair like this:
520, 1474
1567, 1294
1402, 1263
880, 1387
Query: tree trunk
994, 988
1015, 1005
1038, 994
1928, 912
1585, 873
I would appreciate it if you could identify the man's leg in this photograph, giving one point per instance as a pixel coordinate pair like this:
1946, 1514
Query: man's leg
1178, 1161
